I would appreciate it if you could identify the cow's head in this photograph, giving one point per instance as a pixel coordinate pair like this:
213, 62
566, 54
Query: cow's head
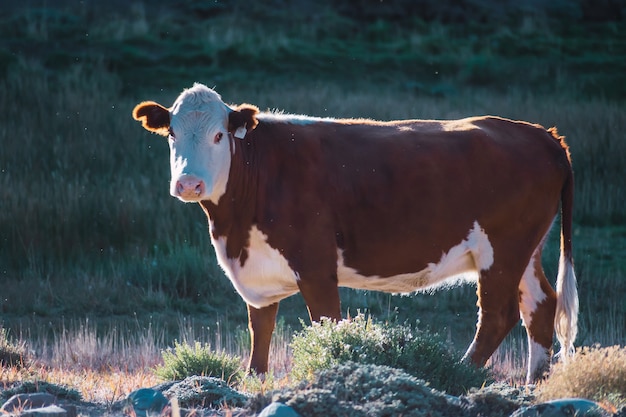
201, 131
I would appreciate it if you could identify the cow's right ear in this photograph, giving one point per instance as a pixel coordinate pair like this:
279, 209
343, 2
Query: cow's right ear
153, 117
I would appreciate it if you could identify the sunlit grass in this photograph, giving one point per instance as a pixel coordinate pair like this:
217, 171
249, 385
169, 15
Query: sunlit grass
597, 373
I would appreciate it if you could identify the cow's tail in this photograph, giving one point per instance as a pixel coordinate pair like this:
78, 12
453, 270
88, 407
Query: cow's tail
566, 318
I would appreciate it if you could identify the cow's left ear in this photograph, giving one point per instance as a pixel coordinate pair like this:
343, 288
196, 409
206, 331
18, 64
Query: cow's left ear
242, 120
153, 117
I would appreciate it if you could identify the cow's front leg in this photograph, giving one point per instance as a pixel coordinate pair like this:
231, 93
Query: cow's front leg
261, 322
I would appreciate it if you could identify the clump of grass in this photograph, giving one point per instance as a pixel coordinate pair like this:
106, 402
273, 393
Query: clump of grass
362, 340
199, 359
596, 373
12, 353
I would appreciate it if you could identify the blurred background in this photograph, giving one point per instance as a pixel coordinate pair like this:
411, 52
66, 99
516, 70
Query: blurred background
87, 226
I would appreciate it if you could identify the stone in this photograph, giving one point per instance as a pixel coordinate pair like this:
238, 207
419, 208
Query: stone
568, 407
20, 402
147, 402
277, 409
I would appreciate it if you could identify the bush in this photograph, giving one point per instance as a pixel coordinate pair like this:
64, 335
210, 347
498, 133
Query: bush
12, 353
361, 340
595, 373
198, 391
186, 360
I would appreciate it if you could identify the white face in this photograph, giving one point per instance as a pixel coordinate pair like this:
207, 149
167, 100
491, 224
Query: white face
200, 153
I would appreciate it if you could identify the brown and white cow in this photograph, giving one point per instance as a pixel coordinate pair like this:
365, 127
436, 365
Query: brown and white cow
306, 204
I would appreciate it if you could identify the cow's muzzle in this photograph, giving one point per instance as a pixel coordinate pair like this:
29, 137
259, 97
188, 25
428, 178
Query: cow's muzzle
189, 188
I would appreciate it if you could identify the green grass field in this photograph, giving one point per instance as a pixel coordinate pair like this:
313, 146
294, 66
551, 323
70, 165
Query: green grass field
87, 226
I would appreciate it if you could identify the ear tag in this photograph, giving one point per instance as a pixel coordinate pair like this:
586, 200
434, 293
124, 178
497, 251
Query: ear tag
241, 131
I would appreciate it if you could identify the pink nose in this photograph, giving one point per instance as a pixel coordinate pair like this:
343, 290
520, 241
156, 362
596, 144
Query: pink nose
189, 187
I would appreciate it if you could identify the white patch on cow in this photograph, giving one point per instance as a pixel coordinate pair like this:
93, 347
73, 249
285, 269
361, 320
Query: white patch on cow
265, 277
461, 263
197, 116
538, 357
531, 294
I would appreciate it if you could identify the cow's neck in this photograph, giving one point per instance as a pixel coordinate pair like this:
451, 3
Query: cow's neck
232, 217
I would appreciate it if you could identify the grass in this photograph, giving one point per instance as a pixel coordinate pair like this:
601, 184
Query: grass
596, 373
95, 256
187, 360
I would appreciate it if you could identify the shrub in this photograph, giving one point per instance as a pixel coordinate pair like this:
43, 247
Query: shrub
595, 373
362, 340
12, 353
186, 360
198, 391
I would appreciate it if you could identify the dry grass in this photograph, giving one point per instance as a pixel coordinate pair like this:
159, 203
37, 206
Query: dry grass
103, 371
596, 373
103, 368
106, 362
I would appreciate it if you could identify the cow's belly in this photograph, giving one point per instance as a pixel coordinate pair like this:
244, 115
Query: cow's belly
462, 262
264, 278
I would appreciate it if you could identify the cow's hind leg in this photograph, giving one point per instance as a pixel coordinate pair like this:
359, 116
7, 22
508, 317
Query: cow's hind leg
537, 307
321, 296
498, 304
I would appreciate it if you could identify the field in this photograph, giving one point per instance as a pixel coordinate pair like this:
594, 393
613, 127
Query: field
94, 251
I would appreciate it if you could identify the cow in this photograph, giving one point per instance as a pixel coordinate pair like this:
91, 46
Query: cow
306, 204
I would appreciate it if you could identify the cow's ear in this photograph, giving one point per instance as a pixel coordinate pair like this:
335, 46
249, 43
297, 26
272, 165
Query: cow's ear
153, 117
242, 120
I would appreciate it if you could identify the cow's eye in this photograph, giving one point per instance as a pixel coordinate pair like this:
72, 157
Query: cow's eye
171, 134
218, 137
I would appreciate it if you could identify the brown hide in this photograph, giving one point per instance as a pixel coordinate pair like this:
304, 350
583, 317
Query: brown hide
393, 197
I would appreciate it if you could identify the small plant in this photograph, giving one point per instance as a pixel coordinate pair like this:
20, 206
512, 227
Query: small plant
261, 383
12, 354
361, 340
188, 360
595, 373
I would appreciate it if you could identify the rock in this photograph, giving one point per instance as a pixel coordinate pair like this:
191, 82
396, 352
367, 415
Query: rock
20, 402
147, 402
568, 407
495, 400
277, 409
49, 411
